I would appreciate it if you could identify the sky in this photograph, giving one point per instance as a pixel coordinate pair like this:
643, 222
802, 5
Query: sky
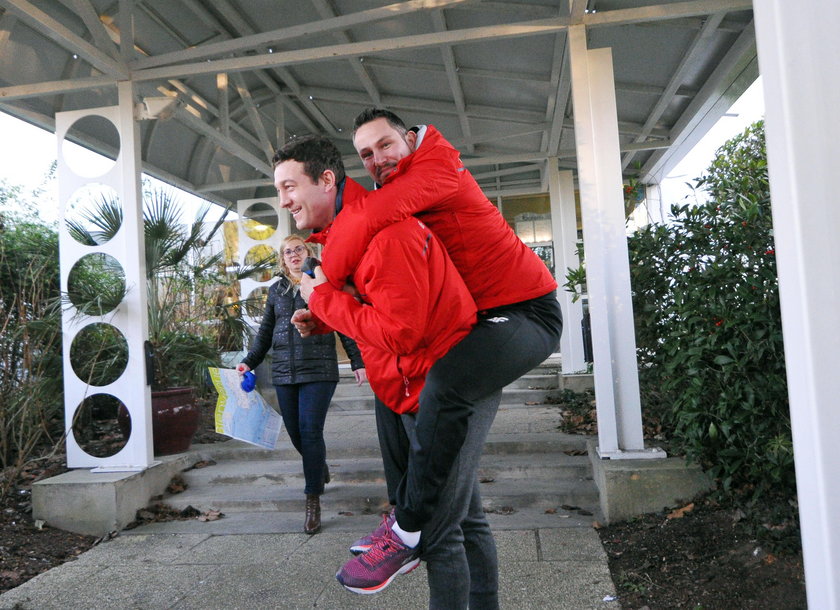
748, 109
26, 153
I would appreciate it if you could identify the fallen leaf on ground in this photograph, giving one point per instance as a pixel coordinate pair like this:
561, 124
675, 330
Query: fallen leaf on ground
204, 464
176, 485
502, 510
211, 515
679, 513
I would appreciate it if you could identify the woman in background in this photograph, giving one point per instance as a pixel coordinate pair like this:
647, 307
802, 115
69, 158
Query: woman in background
304, 372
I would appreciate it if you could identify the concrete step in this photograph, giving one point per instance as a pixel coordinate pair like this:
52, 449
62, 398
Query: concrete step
529, 468
549, 466
537, 381
371, 496
275, 521
535, 444
509, 396
547, 367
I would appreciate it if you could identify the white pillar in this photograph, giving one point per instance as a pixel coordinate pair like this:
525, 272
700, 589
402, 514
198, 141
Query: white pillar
561, 191
615, 369
799, 51
246, 242
131, 315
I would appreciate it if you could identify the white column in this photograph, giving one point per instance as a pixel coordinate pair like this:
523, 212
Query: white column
561, 191
246, 242
615, 369
799, 51
130, 316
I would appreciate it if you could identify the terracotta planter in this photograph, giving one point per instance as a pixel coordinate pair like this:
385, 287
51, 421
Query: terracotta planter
174, 420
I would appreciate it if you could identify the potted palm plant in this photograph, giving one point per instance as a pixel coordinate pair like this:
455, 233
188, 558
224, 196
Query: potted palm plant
189, 300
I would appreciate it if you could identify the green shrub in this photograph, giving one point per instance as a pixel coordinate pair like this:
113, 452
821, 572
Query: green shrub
708, 325
30, 338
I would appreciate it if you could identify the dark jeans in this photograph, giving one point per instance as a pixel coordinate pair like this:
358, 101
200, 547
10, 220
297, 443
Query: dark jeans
506, 343
457, 544
304, 410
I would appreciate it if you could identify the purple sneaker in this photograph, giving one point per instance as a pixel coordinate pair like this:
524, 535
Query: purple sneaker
374, 570
363, 544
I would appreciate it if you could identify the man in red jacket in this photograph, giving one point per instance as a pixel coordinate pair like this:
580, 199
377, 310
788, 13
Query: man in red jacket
409, 307
421, 174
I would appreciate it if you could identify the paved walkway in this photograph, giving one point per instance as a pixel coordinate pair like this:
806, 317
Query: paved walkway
562, 568
549, 559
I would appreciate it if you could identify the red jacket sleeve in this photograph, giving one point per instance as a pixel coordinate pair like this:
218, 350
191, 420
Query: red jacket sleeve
396, 285
432, 180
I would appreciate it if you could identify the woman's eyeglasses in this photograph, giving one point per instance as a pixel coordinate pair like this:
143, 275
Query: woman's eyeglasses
298, 250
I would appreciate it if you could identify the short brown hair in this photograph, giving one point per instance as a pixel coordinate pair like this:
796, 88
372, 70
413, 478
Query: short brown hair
371, 114
316, 153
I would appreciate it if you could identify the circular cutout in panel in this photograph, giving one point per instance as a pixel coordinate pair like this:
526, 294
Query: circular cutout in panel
101, 425
259, 221
255, 303
99, 354
96, 284
91, 131
264, 256
93, 214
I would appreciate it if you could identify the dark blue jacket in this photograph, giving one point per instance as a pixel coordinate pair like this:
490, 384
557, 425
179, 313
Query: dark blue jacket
295, 359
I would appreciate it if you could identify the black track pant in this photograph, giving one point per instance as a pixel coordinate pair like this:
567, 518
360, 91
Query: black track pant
506, 343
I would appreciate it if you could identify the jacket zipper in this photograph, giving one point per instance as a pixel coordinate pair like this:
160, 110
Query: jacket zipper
405, 379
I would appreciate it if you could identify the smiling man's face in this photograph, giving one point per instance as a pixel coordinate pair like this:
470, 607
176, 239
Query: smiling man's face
380, 146
312, 204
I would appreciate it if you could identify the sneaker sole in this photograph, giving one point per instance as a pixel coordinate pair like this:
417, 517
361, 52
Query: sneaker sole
377, 588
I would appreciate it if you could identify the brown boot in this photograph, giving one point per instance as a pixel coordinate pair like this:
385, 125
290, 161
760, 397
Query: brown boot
312, 525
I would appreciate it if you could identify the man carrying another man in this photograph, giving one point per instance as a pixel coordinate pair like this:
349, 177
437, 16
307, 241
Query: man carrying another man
409, 307
519, 321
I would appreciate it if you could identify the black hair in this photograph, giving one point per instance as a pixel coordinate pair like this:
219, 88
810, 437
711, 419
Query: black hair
316, 153
371, 114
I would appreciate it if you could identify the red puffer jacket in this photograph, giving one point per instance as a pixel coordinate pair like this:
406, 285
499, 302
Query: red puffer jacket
414, 306
433, 185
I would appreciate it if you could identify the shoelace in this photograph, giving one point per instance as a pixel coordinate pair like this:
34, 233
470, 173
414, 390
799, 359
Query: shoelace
379, 550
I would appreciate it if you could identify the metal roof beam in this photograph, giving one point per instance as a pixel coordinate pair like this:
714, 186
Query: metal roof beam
198, 125
242, 27
326, 12
733, 74
45, 25
461, 36
510, 171
253, 114
55, 87
7, 24
323, 26
87, 13
439, 22
689, 58
396, 64
660, 12
333, 52
558, 101
427, 105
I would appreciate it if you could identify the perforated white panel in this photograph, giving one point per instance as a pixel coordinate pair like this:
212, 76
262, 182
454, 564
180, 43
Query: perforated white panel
130, 316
